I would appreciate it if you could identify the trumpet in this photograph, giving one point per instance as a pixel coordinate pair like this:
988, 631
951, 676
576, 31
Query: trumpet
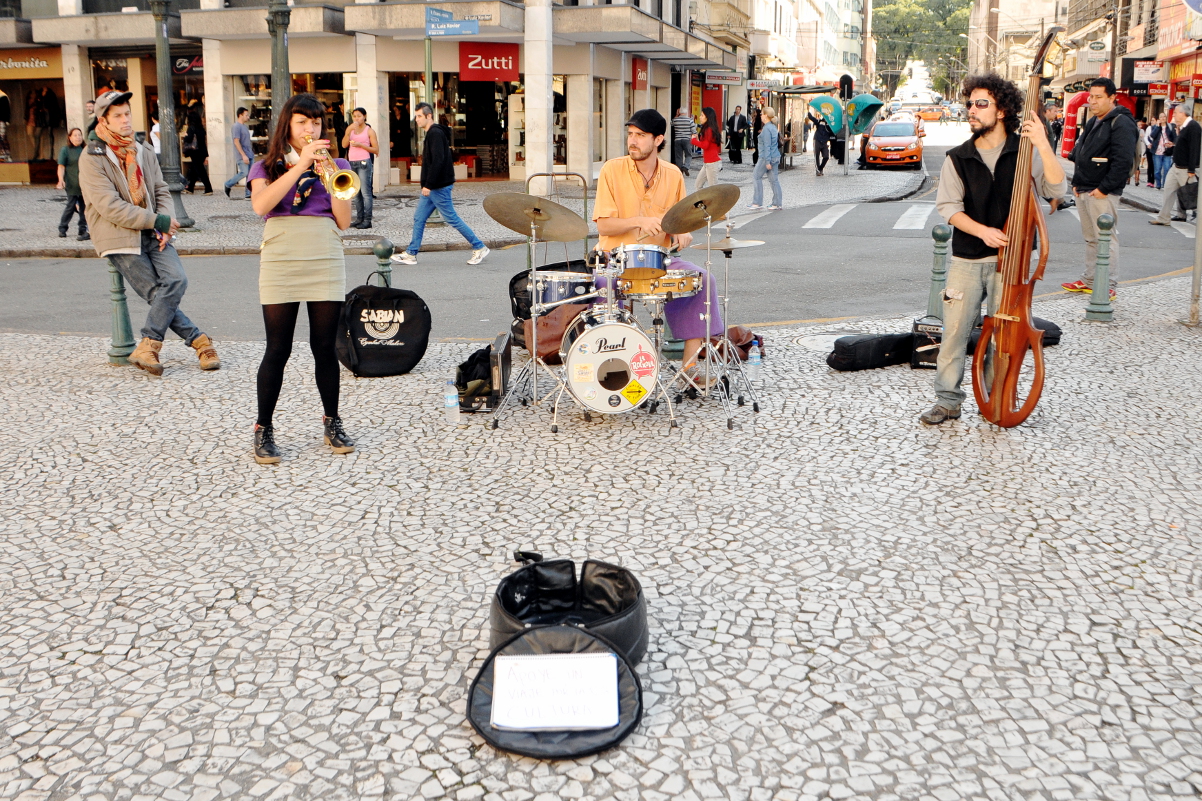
342, 184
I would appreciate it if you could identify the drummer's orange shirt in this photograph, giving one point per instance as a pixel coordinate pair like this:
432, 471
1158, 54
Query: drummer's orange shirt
622, 193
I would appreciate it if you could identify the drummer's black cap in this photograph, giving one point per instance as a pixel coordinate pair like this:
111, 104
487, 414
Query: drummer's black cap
648, 120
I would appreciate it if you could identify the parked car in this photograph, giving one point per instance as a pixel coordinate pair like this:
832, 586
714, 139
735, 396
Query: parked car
894, 143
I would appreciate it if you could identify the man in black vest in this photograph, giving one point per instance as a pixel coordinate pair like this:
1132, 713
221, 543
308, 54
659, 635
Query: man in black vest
1102, 160
975, 186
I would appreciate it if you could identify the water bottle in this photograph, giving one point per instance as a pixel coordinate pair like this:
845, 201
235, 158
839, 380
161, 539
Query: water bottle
754, 361
451, 403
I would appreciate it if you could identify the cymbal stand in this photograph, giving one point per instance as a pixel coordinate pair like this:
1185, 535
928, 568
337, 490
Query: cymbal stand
732, 355
715, 365
529, 372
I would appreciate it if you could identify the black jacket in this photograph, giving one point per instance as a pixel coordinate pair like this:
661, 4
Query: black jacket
1105, 152
1188, 147
438, 164
986, 195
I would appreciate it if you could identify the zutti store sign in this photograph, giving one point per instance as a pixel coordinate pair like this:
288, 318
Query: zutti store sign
484, 61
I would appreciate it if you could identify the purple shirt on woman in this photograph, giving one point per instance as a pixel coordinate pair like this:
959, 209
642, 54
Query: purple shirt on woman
318, 204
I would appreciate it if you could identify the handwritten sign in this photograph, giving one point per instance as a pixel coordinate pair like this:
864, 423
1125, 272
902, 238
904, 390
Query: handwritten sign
561, 692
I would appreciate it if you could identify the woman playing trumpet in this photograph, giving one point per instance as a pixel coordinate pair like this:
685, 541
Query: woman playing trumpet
301, 260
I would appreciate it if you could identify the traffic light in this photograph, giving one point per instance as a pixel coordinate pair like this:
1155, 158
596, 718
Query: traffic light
847, 87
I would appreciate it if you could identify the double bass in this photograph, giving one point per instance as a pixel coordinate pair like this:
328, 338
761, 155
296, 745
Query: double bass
1009, 332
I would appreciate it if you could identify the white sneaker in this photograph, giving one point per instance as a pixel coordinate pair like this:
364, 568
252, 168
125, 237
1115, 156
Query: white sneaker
478, 255
405, 257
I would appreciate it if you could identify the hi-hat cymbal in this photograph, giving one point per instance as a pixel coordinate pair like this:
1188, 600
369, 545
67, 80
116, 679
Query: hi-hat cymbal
551, 221
731, 244
689, 214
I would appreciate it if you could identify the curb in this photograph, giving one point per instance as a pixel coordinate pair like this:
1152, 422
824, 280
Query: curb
1136, 203
201, 250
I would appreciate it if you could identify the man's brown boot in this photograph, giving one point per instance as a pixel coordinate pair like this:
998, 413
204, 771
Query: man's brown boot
146, 356
206, 353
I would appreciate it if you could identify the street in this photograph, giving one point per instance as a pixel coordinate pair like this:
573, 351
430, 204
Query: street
818, 262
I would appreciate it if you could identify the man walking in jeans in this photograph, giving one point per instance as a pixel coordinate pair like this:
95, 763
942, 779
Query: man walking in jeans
244, 154
127, 200
683, 131
438, 176
1102, 159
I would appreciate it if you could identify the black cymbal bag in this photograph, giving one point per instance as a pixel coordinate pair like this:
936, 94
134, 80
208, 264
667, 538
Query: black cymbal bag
607, 600
561, 743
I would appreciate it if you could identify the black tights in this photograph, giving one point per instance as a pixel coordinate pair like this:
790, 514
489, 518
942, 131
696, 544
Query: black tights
280, 321
822, 154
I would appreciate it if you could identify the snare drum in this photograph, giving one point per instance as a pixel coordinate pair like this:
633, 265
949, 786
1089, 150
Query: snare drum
642, 256
609, 363
557, 287
657, 285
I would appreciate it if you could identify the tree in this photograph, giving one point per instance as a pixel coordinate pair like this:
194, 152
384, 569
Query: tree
920, 30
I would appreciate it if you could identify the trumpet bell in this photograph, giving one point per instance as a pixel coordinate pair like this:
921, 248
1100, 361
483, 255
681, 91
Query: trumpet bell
344, 184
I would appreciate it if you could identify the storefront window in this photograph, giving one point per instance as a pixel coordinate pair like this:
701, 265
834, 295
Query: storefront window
255, 95
476, 112
598, 119
559, 120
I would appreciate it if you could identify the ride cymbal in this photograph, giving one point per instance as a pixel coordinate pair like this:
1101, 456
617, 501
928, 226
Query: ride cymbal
551, 221
730, 244
689, 214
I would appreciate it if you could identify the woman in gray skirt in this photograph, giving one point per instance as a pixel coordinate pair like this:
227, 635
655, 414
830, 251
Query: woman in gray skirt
300, 260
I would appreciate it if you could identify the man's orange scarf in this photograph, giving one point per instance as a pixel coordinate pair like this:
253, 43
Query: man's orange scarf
127, 153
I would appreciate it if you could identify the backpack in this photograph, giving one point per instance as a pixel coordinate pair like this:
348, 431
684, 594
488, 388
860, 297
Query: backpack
383, 331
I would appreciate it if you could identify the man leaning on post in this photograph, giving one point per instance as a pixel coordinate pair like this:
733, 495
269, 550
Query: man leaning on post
1102, 160
126, 205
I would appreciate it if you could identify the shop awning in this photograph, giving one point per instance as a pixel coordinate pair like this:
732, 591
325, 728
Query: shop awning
15, 33
251, 23
629, 29
498, 19
104, 30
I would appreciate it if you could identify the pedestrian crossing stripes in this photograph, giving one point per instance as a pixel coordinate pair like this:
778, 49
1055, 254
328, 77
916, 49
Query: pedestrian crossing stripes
831, 216
914, 218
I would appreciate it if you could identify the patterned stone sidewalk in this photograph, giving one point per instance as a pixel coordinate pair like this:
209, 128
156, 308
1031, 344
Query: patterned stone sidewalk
843, 604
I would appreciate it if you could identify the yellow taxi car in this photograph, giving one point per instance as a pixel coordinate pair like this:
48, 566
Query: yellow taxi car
931, 114
894, 143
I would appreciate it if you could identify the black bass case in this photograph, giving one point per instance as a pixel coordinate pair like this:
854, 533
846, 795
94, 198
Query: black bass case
607, 601
561, 639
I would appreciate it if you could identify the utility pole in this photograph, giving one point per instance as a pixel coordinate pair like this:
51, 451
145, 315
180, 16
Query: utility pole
168, 140
279, 16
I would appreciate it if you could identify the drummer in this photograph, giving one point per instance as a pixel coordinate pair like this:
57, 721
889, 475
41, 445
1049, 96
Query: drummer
634, 193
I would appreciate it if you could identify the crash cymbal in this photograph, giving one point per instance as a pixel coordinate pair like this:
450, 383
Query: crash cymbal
731, 244
552, 222
689, 214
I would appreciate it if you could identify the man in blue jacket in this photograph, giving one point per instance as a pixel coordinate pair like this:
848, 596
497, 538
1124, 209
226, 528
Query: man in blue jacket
1102, 160
438, 176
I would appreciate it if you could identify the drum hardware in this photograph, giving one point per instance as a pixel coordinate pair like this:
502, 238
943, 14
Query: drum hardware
720, 359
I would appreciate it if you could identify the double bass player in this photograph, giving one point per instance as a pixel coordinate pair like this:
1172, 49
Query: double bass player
975, 188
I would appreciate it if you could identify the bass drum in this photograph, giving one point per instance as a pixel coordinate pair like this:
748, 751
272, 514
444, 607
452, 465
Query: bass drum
610, 363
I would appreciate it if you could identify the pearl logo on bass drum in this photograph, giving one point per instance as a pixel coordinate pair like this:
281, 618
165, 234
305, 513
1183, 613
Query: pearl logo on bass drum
381, 323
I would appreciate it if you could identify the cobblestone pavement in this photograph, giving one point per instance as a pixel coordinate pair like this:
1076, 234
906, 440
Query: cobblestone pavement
31, 214
843, 604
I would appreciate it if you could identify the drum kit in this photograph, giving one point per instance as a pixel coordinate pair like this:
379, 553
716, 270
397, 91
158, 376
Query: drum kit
610, 363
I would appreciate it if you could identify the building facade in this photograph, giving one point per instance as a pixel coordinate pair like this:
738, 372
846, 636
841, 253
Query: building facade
542, 85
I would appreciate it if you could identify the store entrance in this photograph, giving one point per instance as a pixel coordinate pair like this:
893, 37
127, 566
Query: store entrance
476, 112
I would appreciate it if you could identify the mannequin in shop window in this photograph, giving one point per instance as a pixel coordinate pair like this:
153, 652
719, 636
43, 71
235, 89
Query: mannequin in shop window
6, 113
196, 148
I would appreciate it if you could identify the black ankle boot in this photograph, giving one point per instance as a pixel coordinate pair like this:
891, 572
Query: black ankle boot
336, 438
265, 450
